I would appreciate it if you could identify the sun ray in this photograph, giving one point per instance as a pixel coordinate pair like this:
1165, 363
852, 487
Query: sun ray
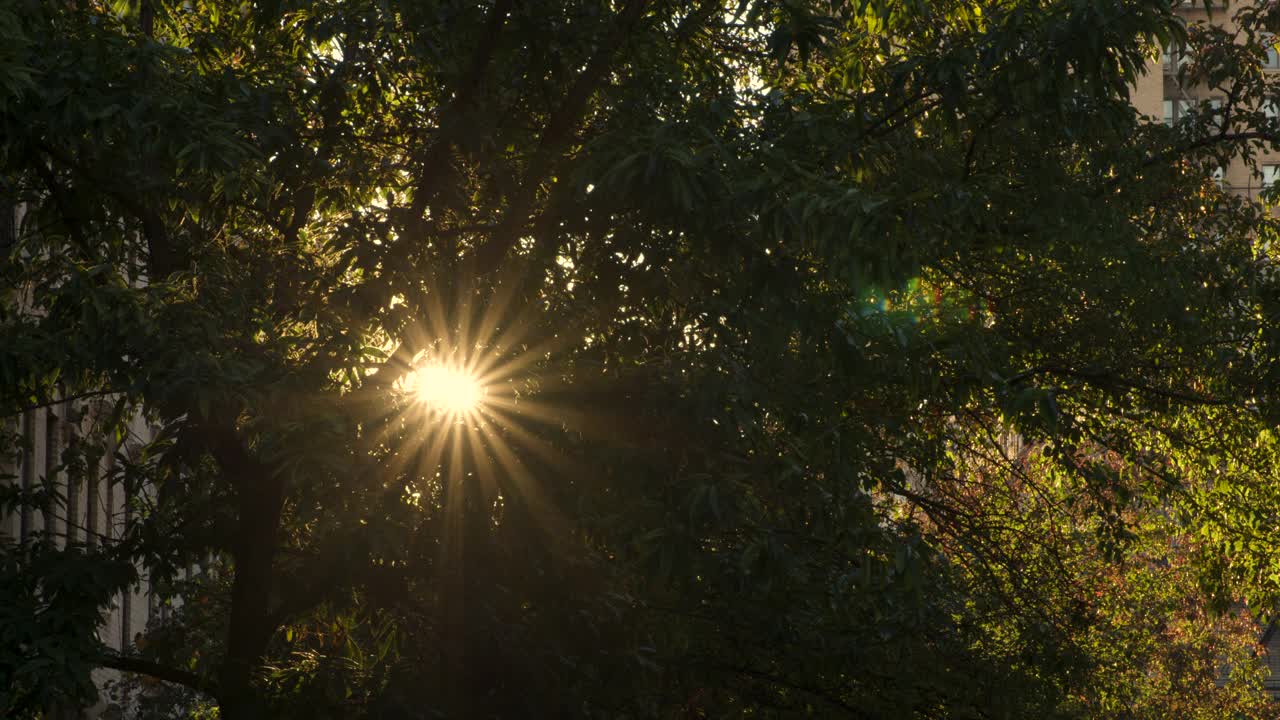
487, 484
430, 456
491, 325
538, 410
468, 428
453, 551
527, 356
541, 448
465, 342
545, 516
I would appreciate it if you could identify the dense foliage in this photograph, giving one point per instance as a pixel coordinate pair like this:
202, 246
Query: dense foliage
868, 358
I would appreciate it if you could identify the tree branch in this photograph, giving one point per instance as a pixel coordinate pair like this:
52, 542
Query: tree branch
69, 215
48, 403
556, 135
161, 672
1223, 136
434, 157
163, 259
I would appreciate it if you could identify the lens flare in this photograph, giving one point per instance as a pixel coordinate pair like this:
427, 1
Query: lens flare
445, 389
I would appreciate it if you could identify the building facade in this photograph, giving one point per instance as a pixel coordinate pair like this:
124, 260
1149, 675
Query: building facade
93, 508
1164, 95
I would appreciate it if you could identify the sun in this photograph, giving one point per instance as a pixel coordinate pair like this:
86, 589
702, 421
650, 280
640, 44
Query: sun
445, 389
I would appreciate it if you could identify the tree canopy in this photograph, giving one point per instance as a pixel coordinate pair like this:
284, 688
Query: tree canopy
866, 359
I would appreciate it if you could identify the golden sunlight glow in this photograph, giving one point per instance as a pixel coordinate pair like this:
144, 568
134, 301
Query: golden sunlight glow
445, 389
468, 411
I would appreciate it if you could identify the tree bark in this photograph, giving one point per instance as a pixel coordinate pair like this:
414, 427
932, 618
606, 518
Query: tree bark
252, 623
260, 499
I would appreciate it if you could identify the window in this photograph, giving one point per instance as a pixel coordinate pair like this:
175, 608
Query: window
1176, 110
1173, 57
1272, 60
1218, 176
1271, 109
1270, 173
1215, 104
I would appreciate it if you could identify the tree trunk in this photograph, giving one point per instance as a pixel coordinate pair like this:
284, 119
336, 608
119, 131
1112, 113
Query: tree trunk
251, 627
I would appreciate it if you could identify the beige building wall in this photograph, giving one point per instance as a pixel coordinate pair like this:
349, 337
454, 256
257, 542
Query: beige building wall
1159, 92
1152, 95
94, 514
95, 511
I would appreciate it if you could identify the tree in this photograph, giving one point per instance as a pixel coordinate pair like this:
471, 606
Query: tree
748, 287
